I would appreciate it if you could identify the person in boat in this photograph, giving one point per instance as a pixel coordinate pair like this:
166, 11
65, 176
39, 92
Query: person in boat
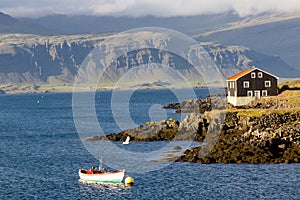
92, 169
103, 170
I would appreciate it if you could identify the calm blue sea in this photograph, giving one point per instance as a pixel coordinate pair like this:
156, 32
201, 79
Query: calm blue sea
41, 152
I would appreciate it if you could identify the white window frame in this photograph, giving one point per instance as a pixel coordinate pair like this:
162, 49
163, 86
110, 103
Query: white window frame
267, 83
253, 75
264, 93
246, 84
249, 93
259, 74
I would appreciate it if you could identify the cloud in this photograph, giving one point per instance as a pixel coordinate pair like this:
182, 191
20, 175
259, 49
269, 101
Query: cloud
164, 8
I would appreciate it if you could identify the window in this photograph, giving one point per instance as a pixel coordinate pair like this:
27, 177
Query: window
246, 84
267, 83
249, 93
253, 75
260, 74
264, 93
231, 84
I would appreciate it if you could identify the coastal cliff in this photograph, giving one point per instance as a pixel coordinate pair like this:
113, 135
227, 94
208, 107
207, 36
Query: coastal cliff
265, 131
269, 138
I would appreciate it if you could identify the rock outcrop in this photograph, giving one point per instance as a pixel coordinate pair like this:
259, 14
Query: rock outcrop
151, 131
269, 138
198, 105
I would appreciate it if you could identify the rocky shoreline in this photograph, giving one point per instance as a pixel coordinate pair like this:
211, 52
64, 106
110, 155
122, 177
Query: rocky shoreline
269, 138
265, 131
198, 105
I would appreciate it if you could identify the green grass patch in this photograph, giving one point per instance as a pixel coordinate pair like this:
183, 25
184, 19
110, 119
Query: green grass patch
261, 112
290, 83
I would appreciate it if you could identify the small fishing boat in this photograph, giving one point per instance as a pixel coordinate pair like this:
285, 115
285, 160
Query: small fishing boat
99, 176
127, 140
102, 176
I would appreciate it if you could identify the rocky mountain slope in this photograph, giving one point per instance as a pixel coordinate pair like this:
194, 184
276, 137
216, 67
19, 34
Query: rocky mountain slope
103, 24
39, 59
233, 59
269, 34
275, 34
9, 24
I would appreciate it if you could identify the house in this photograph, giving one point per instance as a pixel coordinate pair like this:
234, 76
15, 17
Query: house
249, 85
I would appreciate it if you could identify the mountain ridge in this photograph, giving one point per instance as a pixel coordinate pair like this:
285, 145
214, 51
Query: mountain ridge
108, 24
9, 24
56, 59
29, 55
278, 37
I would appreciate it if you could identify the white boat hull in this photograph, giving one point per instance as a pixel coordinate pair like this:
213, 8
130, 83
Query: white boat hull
104, 177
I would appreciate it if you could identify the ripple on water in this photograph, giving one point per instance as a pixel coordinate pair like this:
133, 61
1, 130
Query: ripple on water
40, 153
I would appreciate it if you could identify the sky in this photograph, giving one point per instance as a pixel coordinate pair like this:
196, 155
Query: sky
135, 8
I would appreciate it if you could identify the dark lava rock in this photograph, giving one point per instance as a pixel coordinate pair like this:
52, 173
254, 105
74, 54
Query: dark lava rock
237, 145
270, 138
172, 106
177, 148
198, 105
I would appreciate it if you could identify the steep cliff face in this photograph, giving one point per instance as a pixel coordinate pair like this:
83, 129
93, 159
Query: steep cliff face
56, 59
33, 59
233, 59
271, 34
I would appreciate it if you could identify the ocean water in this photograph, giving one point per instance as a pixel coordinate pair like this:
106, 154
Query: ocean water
41, 152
